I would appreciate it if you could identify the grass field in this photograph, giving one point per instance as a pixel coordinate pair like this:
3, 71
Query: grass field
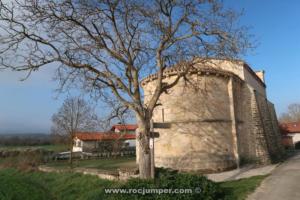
16, 185
239, 189
50, 147
111, 164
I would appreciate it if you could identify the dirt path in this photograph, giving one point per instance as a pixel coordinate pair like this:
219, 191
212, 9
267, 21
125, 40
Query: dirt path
244, 172
283, 184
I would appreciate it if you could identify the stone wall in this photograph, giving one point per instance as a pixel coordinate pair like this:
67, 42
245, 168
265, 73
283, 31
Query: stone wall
270, 127
123, 174
259, 136
254, 81
253, 144
216, 120
199, 114
276, 130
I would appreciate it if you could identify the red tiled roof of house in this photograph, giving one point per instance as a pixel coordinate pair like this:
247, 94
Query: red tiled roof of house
90, 136
293, 127
123, 127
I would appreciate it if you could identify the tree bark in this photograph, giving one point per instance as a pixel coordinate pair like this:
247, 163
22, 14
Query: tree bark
144, 148
71, 153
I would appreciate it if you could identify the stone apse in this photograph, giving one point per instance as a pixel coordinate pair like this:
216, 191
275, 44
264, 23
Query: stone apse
216, 119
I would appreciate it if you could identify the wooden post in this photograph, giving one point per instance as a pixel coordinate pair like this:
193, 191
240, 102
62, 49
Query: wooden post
152, 149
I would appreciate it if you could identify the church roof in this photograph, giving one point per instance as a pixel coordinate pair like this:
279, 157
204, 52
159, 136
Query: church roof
174, 70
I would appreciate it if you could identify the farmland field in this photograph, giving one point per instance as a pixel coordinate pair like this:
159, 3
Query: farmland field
50, 147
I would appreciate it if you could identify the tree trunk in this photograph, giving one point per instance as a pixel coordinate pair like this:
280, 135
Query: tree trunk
144, 148
71, 153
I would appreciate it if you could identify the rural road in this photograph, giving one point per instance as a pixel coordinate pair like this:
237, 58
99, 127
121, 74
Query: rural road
283, 183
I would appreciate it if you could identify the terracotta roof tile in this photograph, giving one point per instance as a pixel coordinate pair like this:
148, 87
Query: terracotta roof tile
293, 127
90, 136
122, 127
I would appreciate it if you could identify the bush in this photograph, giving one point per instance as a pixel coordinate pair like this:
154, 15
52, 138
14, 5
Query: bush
25, 160
197, 187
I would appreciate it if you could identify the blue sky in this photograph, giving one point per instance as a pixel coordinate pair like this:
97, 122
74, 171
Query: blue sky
275, 24
28, 106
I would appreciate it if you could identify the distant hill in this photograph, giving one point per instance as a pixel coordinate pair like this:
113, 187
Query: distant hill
25, 139
24, 134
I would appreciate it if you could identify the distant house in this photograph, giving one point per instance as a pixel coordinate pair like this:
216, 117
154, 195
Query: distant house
120, 136
291, 134
124, 128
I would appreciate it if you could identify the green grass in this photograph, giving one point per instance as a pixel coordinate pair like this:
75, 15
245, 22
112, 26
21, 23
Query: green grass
50, 147
111, 164
240, 189
18, 185
15, 185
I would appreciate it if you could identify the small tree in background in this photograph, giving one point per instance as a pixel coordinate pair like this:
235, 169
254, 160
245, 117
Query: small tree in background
73, 116
292, 114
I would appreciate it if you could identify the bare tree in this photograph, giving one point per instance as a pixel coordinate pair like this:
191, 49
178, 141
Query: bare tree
73, 116
292, 114
107, 46
115, 113
57, 138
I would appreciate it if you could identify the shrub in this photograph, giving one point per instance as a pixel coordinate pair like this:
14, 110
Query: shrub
196, 186
24, 160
